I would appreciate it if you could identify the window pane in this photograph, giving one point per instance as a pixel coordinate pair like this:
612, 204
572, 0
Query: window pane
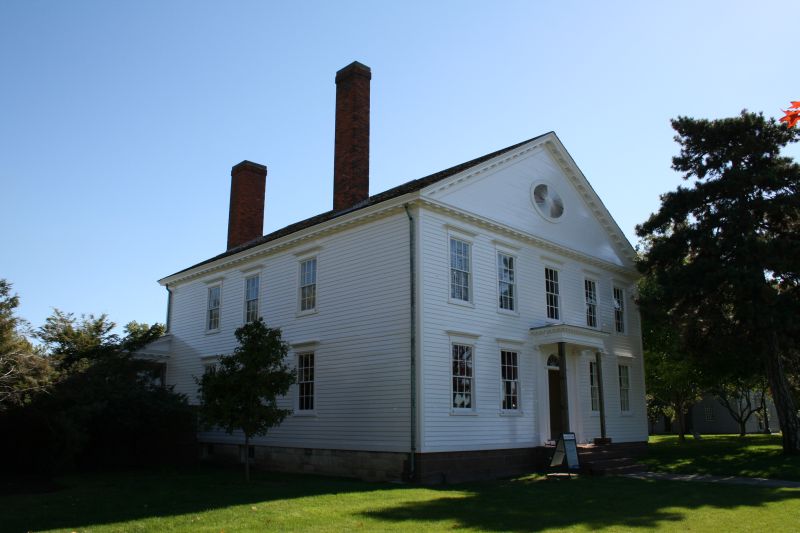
510, 378
305, 381
551, 293
462, 376
619, 310
459, 270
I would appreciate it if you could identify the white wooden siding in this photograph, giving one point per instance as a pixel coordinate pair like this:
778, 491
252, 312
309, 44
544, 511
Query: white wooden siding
361, 327
487, 429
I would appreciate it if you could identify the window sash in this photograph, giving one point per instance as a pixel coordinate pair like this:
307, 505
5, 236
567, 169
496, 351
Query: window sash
459, 270
506, 281
590, 293
462, 377
594, 386
305, 381
308, 284
619, 310
251, 299
624, 388
509, 369
551, 292
212, 316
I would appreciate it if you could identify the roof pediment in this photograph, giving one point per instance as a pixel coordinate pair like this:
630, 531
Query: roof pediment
508, 189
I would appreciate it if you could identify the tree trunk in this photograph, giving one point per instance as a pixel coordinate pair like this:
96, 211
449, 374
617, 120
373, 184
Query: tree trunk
742, 428
247, 457
765, 411
782, 396
679, 418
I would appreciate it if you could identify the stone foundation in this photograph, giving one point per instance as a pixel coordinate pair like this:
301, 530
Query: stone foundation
430, 468
369, 466
457, 467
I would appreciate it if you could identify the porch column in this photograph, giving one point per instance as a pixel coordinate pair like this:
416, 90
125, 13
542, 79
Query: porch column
600, 394
562, 366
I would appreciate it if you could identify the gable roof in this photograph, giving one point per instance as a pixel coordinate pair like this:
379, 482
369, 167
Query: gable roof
405, 188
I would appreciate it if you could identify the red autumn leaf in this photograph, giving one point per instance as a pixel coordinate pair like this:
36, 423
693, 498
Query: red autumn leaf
792, 116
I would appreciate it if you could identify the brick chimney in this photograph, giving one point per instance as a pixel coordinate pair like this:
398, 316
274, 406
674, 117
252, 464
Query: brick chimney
246, 216
351, 151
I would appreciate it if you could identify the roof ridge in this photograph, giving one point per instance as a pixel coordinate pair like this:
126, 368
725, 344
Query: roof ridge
399, 190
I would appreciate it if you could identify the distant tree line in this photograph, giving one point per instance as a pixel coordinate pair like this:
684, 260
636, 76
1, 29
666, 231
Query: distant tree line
80, 399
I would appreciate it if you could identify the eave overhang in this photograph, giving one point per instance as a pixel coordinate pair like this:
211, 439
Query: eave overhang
575, 335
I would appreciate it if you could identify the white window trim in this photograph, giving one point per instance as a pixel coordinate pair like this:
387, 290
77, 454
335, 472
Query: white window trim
616, 285
505, 251
596, 303
559, 295
300, 260
210, 285
250, 275
517, 348
306, 348
467, 238
464, 339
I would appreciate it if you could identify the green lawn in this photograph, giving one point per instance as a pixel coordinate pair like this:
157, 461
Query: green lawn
726, 455
214, 499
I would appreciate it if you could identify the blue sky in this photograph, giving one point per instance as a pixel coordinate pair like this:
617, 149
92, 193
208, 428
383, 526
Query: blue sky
120, 121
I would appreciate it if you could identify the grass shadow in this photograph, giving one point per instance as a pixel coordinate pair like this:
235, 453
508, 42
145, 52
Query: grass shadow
213, 498
536, 504
731, 455
96, 499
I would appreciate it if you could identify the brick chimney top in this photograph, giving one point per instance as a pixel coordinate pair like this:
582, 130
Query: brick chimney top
354, 69
246, 215
351, 150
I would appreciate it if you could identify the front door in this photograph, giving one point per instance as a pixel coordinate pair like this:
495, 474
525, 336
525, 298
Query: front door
556, 420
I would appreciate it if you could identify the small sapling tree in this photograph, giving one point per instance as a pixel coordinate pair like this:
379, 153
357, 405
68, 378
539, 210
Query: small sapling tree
241, 391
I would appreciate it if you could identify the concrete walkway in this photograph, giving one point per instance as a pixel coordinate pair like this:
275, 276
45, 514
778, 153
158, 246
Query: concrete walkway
734, 480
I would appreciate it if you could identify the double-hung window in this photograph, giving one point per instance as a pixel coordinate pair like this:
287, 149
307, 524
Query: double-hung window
308, 284
305, 381
624, 388
590, 293
619, 310
212, 312
509, 368
459, 270
251, 298
594, 386
551, 293
463, 380
506, 283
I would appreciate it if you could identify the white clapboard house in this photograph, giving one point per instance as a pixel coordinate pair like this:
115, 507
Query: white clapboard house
447, 328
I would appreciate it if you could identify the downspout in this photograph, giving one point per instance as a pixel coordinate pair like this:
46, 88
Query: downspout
413, 331
169, 306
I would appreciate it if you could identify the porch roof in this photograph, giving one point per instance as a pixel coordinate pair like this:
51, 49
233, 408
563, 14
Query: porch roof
159, 350
577, 335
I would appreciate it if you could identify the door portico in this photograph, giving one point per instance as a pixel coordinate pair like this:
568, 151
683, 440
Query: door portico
561, 347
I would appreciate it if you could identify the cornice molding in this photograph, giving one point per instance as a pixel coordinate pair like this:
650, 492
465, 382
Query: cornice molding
491, 165
299, 238
627, 273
